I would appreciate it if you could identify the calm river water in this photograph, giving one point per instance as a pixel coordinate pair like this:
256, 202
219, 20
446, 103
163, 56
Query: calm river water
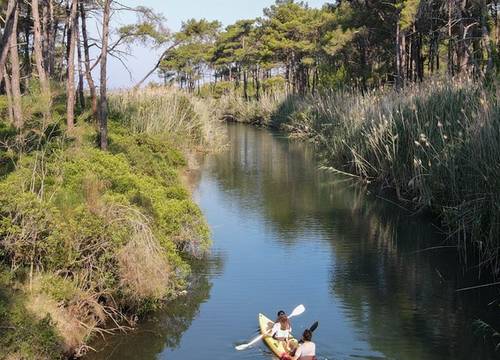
287, 233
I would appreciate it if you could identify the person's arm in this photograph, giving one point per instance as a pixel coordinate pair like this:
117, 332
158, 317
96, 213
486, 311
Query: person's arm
273, 330
298, 353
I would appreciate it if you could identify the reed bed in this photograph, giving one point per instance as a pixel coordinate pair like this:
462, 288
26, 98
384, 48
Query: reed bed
170, 111
436, 145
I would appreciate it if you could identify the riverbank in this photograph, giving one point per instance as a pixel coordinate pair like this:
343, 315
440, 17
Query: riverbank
435, 145
90, 240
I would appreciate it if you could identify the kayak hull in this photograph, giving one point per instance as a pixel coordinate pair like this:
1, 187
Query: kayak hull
276, 346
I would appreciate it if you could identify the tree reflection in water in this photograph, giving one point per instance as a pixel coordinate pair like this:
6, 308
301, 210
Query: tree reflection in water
400, 296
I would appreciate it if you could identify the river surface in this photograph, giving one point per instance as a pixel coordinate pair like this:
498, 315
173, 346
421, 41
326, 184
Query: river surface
286, 233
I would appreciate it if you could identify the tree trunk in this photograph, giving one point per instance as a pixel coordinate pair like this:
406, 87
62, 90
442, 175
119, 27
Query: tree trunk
257, 84
37, 49
28, 69
497, 27
5, 40
8, 93
103, 102
51, 39
486, 37
70, 81
88, 73
45, 32
245, 85
81, 96
16, 78
451, 65
399, 67
462, 45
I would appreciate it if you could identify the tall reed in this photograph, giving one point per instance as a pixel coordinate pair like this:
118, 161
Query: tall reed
167, 110
436, 145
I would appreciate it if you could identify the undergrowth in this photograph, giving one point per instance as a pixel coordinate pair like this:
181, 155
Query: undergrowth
89, 239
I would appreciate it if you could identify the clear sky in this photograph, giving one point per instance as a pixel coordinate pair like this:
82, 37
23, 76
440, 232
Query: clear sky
142, 59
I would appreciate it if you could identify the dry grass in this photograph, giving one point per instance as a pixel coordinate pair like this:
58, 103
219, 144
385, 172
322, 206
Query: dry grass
169, 111
69, 327
143, 265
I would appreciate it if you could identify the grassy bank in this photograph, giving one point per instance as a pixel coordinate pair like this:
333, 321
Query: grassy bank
436, 145
89, 239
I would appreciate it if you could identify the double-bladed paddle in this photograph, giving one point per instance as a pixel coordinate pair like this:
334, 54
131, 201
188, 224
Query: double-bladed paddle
297, 311
314, 326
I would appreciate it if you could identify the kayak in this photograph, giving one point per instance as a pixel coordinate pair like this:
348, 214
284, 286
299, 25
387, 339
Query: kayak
276, 346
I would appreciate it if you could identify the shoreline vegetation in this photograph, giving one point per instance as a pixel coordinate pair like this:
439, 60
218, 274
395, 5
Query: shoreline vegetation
434, 145
92, 239
96, 226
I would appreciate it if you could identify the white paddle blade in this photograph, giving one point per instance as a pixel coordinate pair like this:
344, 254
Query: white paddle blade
245, 346
298, 310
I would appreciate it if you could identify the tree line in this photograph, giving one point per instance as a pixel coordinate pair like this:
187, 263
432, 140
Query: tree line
364, 43
40, 41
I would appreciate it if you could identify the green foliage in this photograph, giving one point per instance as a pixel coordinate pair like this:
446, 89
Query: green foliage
80, 222
186, 61
21, 333
409, 9
150, 27
58, 288
216, 90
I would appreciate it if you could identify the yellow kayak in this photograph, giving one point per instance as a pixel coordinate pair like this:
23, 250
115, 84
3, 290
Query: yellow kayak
276, 346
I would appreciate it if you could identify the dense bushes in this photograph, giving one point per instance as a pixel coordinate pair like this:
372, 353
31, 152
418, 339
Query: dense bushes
88, 237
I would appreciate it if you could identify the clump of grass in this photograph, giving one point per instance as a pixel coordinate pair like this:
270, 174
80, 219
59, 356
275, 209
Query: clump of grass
162, 110
233, 107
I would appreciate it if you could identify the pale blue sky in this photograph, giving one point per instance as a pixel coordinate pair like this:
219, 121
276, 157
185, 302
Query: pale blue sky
176, 11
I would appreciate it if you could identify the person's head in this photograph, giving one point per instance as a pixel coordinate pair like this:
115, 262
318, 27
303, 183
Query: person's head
283, 319
281, 313
307, 335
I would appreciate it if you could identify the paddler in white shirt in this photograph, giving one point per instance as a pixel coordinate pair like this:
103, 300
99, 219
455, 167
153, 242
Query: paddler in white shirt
282, 329
307, 349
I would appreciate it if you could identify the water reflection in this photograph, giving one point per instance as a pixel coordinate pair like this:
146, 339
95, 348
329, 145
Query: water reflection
165, 328
293, 234
399, 296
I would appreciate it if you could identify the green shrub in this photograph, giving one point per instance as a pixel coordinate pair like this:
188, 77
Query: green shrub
82, 223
